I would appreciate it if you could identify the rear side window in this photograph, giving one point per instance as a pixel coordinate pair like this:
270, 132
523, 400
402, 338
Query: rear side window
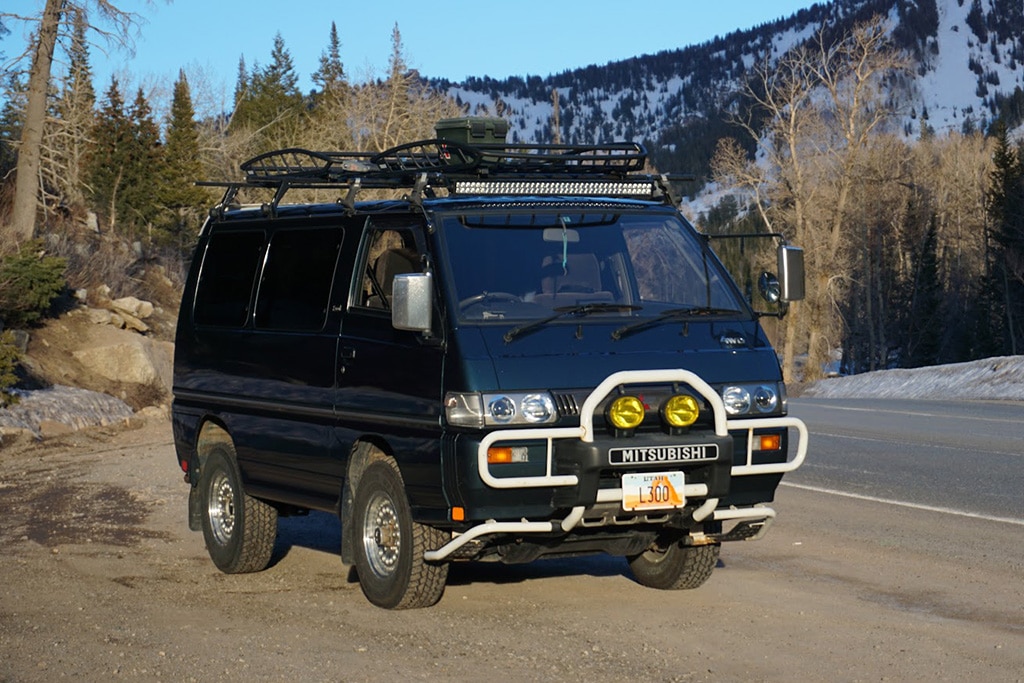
295, 289
226, 281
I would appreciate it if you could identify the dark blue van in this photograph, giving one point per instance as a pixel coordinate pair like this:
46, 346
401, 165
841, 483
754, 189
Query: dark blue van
529, 353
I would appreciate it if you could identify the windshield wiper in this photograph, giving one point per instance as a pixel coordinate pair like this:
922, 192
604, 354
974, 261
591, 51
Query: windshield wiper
566, 311
670, 315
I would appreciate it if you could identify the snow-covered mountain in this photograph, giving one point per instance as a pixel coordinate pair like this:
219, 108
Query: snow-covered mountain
968, 57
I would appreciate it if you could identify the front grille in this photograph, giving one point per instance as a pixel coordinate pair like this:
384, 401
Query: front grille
567, 405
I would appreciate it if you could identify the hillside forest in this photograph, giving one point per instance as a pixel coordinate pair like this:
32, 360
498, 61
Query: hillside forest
914, 243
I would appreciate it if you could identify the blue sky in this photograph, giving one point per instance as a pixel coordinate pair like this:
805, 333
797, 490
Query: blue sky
452, 39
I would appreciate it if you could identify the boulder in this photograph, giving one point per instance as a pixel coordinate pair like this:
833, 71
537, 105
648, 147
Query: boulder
132, 360
134, 307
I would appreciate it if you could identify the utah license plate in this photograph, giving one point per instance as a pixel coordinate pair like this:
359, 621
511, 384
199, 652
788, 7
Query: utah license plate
652, 491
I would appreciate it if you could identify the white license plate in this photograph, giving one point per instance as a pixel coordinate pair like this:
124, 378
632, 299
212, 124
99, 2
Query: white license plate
652, 491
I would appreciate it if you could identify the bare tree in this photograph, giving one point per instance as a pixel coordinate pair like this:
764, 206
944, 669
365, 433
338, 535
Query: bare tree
400, 109
51, 22
821, 103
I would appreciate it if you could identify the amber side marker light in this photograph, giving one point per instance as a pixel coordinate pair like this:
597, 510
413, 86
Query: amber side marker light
458, 514
770, 442
503, 455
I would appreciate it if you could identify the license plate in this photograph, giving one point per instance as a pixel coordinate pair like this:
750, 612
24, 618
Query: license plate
652, 491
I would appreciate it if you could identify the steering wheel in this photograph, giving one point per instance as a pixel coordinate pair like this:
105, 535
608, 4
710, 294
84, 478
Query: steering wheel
488, 296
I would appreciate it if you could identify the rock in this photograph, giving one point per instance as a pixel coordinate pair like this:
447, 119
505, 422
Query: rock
100, 316
51, 428
127, 361
133, 307
21, 340
134, 324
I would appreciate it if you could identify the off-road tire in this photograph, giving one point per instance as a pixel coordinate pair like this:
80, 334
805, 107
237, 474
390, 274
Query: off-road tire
676, 566
239, 530
389, 545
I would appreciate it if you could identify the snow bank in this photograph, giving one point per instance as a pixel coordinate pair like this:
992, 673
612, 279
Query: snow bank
1000, 378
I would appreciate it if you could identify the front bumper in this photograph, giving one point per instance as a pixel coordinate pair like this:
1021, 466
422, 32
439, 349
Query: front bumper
572, 480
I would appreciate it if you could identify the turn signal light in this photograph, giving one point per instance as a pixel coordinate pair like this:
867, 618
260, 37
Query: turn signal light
502, 455
626, 412
770, 442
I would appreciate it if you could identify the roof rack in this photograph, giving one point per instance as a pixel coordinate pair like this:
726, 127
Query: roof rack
460, 169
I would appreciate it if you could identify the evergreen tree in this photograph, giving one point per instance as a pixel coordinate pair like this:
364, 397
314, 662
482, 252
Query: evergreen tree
329, 116
11, 115
107, 165
270, 108
75, 117
1005, 205
146, 163
242, 83
926, 319
330, 76
182, 201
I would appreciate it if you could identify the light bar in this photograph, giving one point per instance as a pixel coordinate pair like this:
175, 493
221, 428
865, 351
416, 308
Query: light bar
596, 188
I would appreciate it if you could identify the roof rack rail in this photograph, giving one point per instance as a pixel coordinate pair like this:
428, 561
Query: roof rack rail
454, 166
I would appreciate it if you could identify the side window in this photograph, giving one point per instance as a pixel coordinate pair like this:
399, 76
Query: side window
295, 289
225, 286
387, 253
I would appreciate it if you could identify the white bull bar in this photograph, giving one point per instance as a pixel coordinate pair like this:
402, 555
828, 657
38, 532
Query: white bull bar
585, 433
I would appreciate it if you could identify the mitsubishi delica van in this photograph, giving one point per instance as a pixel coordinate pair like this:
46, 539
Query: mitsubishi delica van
525, 352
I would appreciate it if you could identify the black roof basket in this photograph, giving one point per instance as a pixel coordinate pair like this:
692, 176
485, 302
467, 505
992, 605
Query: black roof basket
428, 164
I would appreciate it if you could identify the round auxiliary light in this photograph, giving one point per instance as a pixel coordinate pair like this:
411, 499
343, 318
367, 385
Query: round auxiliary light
680, 411
626, 412
737, 400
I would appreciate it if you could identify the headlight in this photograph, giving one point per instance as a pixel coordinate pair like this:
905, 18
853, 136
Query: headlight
736, 399
484, 410
746, 399
765, 399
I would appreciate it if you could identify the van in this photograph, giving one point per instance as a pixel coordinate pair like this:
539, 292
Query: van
468, 350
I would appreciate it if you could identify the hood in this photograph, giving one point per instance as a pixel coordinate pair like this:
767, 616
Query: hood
573, 355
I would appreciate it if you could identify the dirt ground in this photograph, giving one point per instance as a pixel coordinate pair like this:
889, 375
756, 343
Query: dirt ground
103, 581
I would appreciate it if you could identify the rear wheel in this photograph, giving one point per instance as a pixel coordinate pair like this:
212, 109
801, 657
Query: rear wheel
239, 530
675, 566
390, 545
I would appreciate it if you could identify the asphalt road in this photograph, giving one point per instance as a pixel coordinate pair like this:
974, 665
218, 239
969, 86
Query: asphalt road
960, 458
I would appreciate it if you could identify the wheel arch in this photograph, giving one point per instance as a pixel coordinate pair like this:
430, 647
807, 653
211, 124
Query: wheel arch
367, 449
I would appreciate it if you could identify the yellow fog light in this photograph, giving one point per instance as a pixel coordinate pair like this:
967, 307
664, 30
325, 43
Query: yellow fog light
626, 412
680, 411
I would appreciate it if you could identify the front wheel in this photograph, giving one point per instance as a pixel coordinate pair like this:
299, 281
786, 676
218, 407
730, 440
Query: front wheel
675, 566
239, 530
390, 545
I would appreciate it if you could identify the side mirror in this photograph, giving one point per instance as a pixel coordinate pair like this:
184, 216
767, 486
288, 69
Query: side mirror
791, 273
412, 302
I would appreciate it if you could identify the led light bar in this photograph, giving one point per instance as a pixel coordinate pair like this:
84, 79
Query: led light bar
595, 188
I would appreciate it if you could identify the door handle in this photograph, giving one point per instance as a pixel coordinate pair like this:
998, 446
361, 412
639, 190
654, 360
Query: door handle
346, 354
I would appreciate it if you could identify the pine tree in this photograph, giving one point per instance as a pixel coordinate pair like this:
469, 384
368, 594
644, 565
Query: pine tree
330, 76
270, 108
181, 200
110, 156
329, 116
75, 117
1005, 205
926, 320
146, 162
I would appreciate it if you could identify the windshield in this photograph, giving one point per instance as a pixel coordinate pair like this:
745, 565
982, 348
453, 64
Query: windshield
527, 266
